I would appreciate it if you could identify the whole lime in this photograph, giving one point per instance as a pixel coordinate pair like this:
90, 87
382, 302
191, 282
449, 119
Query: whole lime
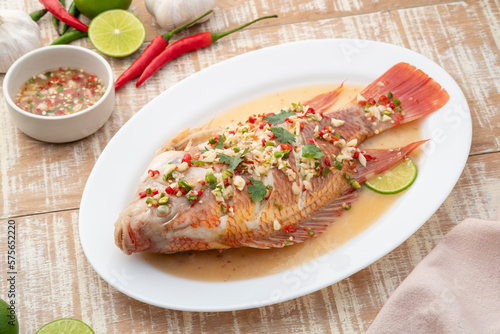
8, 319
90, 8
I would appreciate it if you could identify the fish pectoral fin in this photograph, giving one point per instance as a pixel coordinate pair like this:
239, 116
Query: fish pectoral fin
314, 226
383, 160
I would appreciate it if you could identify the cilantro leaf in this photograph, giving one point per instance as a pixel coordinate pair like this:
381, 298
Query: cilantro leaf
257, 190
233, 162
311, 151
283, 135
220, 142
278, 118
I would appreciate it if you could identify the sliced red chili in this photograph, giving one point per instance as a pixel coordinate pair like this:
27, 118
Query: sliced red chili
187, 159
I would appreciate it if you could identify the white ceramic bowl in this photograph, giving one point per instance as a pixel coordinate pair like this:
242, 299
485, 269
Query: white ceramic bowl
67, 128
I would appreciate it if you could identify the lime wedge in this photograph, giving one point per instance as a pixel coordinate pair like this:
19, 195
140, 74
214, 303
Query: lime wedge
65, 326
117, 33
392, 181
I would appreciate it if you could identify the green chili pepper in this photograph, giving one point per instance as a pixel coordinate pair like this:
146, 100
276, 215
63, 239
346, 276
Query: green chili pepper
354, 183
163, 200
210, 178
55, 20
73, 11
37, 15
69, 37
186, 186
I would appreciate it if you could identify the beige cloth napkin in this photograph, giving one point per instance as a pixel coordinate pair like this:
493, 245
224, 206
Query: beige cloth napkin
455, 289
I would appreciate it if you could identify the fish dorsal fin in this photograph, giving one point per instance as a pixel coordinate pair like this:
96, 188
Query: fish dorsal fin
317, 224
323, 102
381, 160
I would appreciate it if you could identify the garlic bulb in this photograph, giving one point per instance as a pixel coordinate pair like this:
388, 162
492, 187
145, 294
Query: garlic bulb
170, 14
19, 34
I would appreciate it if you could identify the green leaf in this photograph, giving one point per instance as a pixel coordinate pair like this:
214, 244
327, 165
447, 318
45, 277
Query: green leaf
278, 118
257, 190
233, 162
283, 135
311, 151
220, 142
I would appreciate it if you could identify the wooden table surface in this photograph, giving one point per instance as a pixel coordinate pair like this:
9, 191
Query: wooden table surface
42, 184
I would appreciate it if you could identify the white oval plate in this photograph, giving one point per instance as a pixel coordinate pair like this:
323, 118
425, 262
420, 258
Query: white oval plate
113, 180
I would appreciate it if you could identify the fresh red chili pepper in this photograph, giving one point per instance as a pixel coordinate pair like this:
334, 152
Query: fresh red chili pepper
143, 194
187, 159
157, 45
55, 7
383, 100
185, 45
169, 190
153, 173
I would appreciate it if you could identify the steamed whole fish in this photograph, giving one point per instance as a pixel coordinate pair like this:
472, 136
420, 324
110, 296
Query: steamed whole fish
276, 179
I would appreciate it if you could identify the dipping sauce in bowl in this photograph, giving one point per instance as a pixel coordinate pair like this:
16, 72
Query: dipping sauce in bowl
60, 91
60, 125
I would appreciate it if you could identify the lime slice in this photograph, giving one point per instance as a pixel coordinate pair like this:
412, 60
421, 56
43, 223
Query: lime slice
117, 33
394, 180
66, 326
8, 319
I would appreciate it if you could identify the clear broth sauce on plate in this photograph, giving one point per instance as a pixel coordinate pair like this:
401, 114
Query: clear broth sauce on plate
247, 263
60, 91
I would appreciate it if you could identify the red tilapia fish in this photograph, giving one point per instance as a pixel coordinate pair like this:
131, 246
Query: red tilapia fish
276, 179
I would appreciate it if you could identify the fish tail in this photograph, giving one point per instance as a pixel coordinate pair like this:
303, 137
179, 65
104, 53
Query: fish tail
418, 93
381, 160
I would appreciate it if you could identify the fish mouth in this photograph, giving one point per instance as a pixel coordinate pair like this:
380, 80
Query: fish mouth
121, 230
127, 239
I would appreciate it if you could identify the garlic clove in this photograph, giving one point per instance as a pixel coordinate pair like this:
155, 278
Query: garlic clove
170, 14
19, 34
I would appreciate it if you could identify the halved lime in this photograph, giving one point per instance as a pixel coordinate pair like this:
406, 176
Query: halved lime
117, 33
92, 8
395, 180
65, 326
